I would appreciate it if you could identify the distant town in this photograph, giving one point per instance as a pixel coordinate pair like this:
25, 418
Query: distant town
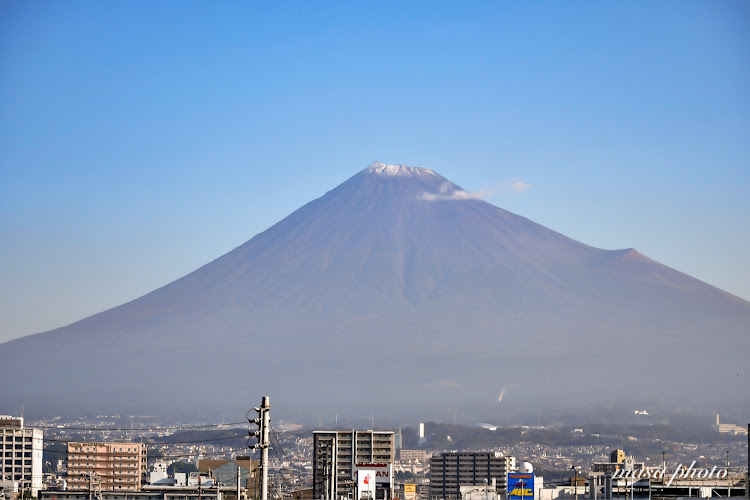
121, 457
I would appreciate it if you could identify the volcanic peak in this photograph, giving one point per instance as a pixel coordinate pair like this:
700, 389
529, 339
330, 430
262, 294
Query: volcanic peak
384, 169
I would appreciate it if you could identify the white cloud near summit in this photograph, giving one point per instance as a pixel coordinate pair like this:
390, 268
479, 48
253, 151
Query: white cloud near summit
458, 194
445, 193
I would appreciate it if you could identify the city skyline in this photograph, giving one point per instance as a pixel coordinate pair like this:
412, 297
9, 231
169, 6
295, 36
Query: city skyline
139, 142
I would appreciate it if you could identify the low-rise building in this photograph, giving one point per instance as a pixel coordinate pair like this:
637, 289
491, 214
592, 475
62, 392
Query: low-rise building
412, 455
166, 493
728, 428
227, 472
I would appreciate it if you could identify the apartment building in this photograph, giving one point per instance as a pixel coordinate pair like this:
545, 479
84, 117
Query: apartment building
106, 466
450, 471
21, 454
413, 456
337, 454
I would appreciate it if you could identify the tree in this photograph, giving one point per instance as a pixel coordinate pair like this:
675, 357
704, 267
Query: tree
180, 467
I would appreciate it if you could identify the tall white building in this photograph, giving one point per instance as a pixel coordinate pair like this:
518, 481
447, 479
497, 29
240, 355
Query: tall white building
21, 454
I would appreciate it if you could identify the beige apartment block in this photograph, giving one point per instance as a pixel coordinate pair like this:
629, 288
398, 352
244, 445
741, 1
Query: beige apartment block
106, 466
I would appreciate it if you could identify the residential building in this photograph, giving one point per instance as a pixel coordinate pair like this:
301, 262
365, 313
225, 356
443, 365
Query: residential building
450, 471
108, 466
21, 454
159, 474
617, 456
337, 455
617, 460
303, 494
413, 456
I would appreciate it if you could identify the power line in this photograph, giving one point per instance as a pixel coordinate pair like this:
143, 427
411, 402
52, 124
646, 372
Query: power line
197, 441
277, 441
168, 427
279, 459
182, 455
166, 443
231, 450
281, 474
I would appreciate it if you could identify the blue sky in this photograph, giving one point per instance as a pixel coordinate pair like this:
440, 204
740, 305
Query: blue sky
140, 140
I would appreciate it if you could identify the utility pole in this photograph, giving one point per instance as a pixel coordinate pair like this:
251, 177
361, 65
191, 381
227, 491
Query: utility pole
263, 421
266, 407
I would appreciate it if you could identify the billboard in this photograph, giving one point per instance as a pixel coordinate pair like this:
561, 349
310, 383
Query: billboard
520, 486
410, 491
365, 484
383, 472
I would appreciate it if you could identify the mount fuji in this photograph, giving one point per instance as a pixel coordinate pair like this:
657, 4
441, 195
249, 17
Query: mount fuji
402, 292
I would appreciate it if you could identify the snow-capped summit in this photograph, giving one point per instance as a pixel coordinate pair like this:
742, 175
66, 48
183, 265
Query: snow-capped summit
397, 170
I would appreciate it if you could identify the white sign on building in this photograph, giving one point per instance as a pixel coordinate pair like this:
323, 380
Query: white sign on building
373, 477
366, 484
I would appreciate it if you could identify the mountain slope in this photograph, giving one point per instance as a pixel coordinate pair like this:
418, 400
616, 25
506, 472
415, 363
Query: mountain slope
398, 281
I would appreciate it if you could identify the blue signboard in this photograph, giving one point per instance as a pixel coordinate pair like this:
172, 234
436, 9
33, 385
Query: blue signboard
520, 486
